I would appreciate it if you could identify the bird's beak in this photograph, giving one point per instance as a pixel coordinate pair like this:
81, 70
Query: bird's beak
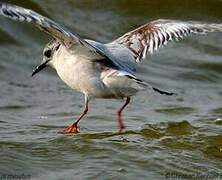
39, 68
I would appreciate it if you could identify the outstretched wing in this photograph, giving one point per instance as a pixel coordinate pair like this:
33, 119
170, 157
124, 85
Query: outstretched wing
43, 23
149, 37
56, 31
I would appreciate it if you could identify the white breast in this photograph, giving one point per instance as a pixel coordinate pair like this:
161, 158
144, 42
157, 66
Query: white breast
78, 72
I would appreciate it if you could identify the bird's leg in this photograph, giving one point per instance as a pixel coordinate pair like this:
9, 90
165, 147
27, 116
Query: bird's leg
118, 114
74, 127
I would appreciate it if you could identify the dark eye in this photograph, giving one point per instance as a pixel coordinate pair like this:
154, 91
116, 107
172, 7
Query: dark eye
47, 53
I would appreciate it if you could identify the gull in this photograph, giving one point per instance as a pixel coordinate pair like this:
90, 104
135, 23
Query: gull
101, 70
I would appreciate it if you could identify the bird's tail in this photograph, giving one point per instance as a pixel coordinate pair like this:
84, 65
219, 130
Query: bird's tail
141, 85
164, 92
148, 86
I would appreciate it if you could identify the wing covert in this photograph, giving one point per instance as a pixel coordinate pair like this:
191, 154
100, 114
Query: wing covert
151, 36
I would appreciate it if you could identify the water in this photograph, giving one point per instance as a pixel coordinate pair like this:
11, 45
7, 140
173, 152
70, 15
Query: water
165, 136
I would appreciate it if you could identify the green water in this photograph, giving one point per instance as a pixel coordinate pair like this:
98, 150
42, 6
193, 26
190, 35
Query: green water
177, 136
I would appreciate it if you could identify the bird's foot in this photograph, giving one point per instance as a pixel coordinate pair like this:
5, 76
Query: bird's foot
121, 128
73, 129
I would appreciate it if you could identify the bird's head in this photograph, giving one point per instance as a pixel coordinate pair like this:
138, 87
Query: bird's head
48, 53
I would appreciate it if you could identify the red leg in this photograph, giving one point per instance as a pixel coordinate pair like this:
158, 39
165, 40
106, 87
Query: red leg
74, 127
119, 112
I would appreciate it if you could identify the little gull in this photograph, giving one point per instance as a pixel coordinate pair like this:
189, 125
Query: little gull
104, 70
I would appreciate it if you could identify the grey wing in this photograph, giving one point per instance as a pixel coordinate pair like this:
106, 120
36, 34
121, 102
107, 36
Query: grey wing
119, 58
151, 36
55, 30
43, 23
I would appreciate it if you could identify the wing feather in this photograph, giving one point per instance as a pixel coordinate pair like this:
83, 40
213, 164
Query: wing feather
43, 23
158, 33
58, 32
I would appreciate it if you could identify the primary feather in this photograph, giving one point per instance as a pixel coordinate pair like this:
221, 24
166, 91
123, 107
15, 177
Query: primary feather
153, 35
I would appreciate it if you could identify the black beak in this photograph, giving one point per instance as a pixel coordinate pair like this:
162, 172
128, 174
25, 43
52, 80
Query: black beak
39, 68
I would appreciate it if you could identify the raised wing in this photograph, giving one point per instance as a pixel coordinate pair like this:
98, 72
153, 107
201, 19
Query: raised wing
43, 23
149, 37
57, 32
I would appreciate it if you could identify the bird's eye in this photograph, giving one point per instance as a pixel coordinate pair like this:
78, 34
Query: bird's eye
47, 53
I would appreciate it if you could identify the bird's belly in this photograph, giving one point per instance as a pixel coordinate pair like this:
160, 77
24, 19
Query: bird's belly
84, 78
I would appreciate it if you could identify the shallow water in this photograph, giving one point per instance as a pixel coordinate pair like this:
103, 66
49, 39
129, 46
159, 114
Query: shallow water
177, 136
